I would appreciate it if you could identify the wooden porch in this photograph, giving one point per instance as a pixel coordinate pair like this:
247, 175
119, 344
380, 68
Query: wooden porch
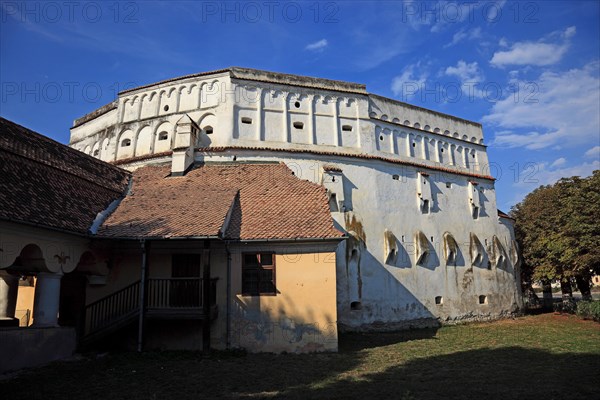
165, 298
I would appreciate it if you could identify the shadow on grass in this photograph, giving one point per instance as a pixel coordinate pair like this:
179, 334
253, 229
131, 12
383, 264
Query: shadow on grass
505, 373
352, 341
502, 373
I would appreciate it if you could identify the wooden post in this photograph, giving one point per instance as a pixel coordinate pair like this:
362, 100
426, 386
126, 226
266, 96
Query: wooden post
142, 305
206, 297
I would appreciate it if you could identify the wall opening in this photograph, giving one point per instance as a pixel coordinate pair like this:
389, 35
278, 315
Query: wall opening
297, 104
475, 212
298, 125
126, 143
396, 177
425, 208
482, 299
333, 204
246, 120
347, 128
163, 136
166, 108
208, 130
439, 300
449, 185
355, 306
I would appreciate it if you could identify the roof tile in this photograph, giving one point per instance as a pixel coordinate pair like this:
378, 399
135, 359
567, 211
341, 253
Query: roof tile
49, 184
266, 201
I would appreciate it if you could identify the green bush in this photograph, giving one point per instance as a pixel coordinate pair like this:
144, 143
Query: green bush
589, 310
565, 307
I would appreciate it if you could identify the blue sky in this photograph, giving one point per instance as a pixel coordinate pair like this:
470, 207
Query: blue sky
528, 71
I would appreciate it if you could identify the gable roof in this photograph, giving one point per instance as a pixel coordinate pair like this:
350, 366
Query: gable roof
231, 201
49, 184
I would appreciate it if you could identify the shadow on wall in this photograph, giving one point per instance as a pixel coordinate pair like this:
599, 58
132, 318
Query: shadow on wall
282, 326
391, 307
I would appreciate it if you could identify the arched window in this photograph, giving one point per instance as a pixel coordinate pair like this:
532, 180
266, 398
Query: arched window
422, 247
450, 249
163, 135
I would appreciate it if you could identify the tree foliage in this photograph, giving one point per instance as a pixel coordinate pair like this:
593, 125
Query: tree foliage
558, 229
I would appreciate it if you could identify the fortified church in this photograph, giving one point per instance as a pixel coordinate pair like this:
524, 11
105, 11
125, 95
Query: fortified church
245, 208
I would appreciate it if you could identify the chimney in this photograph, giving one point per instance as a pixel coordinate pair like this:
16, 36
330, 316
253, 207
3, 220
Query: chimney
186, 132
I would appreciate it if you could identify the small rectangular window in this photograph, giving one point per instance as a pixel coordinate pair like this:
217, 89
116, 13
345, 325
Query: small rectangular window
258, 274
425, 206
449, 185
246, 120
298, 125
347, 128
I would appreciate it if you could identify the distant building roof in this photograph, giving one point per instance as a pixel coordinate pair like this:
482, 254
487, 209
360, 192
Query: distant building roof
47, 183
231, 201
502, 214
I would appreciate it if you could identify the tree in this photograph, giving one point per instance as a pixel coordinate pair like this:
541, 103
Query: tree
558, 230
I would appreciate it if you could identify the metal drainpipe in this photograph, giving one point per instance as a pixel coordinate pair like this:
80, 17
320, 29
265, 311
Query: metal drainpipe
142, 298
228, 327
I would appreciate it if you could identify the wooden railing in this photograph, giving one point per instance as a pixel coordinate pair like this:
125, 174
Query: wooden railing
163, 294
112, 308
178, 293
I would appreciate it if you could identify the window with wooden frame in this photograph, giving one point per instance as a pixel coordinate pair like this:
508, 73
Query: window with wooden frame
258, 274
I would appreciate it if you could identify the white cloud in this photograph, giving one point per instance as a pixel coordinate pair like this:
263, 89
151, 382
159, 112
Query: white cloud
558, 162
466, 72
439, 15
559, 108
409, 81
464, 34
594, 152
317, 46
538, 53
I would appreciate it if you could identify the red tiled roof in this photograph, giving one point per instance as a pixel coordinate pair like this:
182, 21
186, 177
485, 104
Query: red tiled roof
47, 183
502, 214
364, 156
331, 168
235, 201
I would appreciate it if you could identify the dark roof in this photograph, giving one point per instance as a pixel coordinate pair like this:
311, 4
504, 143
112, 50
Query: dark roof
49, 184
502, 214
233, 201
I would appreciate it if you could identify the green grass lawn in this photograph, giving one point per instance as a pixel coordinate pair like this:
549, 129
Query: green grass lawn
535, 357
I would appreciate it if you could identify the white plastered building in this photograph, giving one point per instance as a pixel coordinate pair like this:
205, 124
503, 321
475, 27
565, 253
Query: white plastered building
411, 187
